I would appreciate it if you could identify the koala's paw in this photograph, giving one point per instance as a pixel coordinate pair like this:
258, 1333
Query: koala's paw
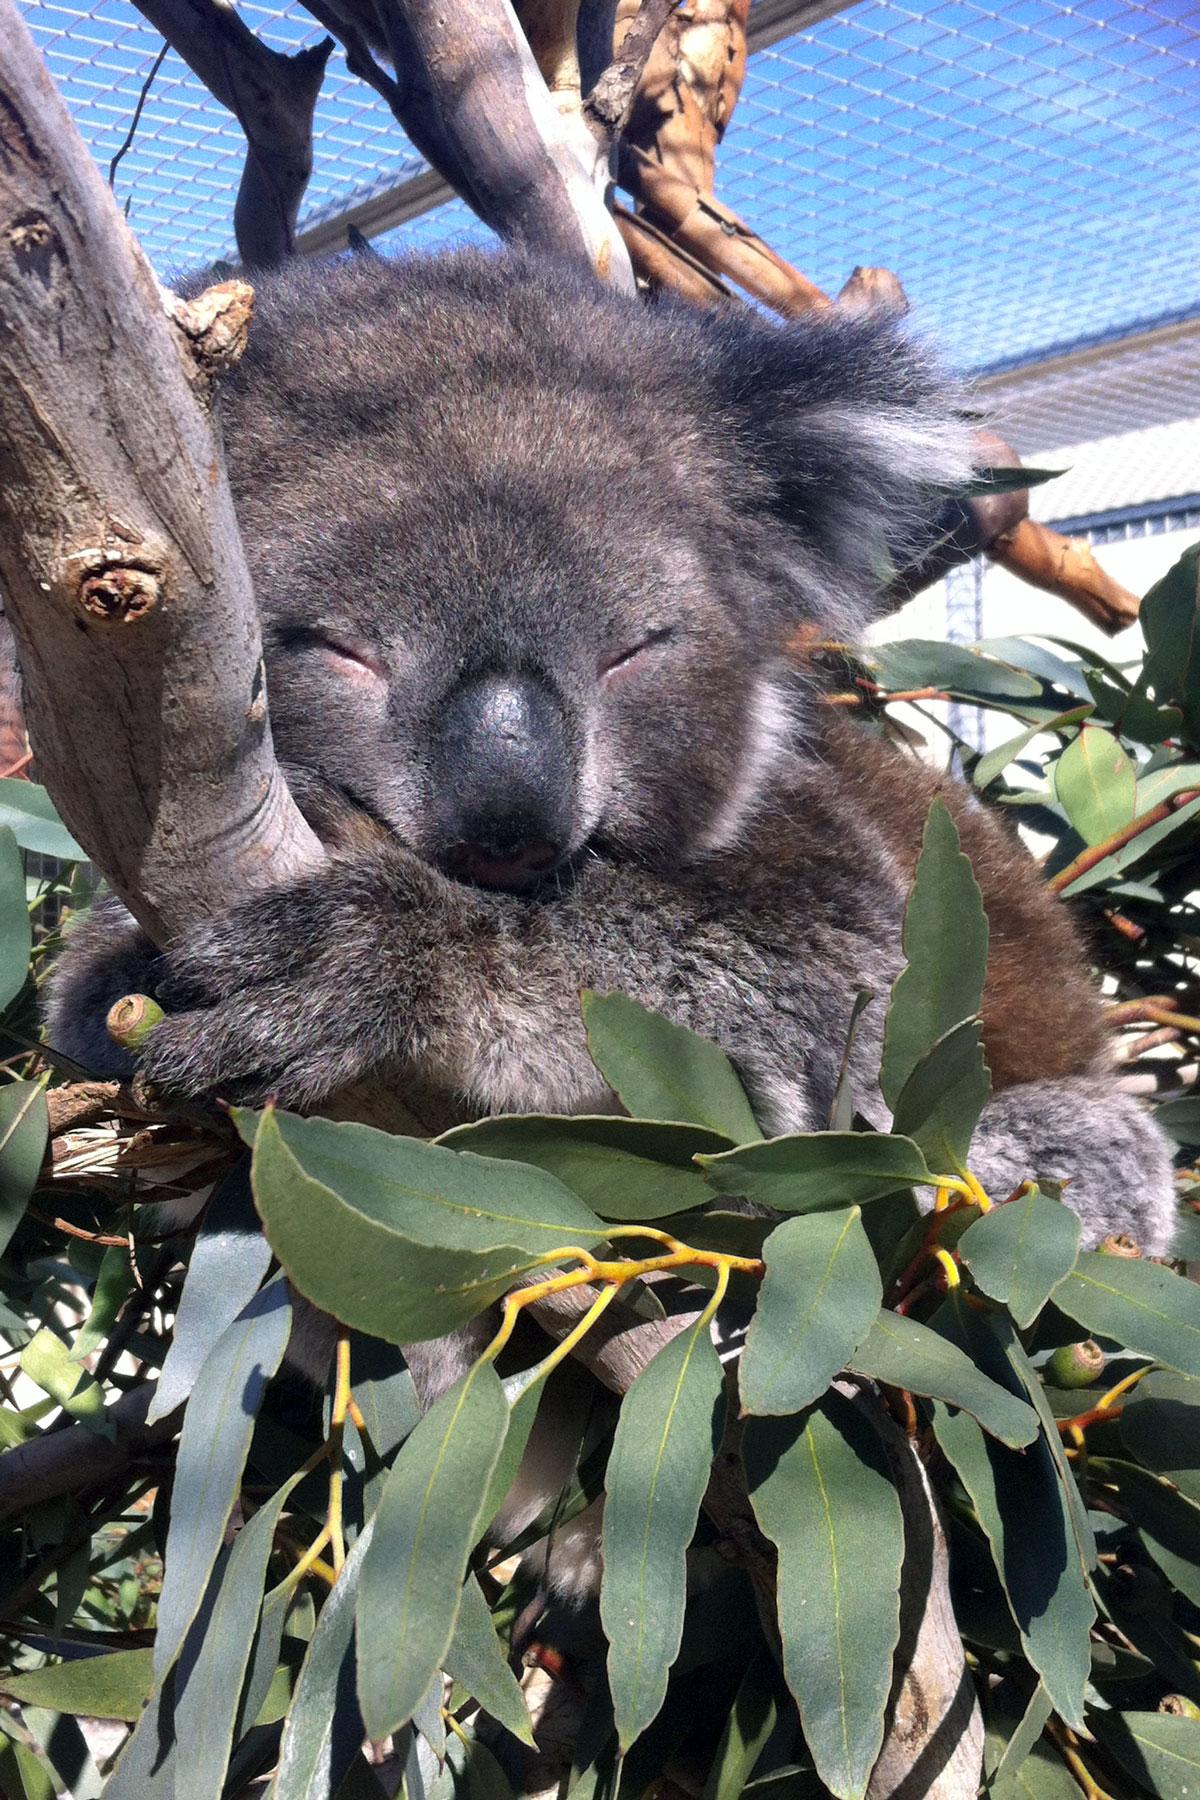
1101, 1142
293, 995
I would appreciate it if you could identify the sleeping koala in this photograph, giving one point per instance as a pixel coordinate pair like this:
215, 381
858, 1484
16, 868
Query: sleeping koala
529, 555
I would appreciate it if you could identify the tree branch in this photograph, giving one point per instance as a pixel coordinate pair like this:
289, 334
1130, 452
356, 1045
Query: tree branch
125, 582
272, 96
468, 73
610, 102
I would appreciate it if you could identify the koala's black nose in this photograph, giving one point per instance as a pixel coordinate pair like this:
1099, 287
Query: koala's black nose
505, 781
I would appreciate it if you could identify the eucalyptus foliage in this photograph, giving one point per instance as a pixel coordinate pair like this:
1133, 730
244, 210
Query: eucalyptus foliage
265, 1582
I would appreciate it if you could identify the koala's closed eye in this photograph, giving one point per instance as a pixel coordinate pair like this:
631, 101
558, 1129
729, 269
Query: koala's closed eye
634, 655
353, 655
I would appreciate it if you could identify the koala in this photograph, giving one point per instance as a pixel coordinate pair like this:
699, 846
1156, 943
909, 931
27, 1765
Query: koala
532, 559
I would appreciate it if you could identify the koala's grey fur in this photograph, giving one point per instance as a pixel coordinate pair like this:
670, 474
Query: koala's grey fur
463, 468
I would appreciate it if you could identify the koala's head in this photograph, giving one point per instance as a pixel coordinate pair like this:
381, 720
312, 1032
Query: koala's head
528, 552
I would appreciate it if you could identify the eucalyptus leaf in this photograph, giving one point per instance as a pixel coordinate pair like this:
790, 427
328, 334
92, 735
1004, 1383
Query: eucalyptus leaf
426, 1524
1170, 621
663, 1071
1096, 784
323, 1729
993, 762
476, 1660
823, 1493
1019, 1252
1142, 1305
1160, 1427
622, 1168
430, 1194
228, 1262
15, 937
941, 1100
667, 1434
945, 945
1160, 1751
206, 1711
818, 1171
213, 1446
112, 1685
818, 1301
29, 813
1021, 1509
906, 1354
24, 1128
381, 1282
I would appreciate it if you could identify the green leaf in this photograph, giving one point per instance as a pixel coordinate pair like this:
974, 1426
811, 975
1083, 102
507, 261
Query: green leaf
818, 1171
24, 1128
1170, 621
823, 1493
1019, 1252
1095, 783
1142, 1305
1006, 480
441, 1199
1167, 1522
906, 1354
381, 1281
1160, 1427
945, 944
15, 936
1013, 1746
115, 1685
622, 1168
1022, 1511
750, 1723
1180, 1119
229, 1260
939, 1105
213, 1446
931, 662
1159, 1750
207, 1710
476, 1660
1109, 867
323, 1729
28, 812
471, 1772
425, 1527
114, 1283
818, 1301
662, 1071
47, 1362
994, 762
667, 1434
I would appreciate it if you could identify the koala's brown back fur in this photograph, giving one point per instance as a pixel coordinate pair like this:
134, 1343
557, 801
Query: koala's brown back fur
1042, 1016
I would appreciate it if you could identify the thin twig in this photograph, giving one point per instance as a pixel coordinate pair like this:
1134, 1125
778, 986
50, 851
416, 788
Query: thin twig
137, 114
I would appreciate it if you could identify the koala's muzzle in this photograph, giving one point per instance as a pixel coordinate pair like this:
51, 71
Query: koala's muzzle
505, 782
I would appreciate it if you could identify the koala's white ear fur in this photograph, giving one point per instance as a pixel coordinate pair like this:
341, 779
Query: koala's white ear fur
853, 436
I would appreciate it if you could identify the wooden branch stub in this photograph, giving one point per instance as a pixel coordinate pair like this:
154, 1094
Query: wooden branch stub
123, 573
868, 290
1066, 567
215, 325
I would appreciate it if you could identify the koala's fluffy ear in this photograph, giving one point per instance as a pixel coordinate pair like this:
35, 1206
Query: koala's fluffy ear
850, 436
